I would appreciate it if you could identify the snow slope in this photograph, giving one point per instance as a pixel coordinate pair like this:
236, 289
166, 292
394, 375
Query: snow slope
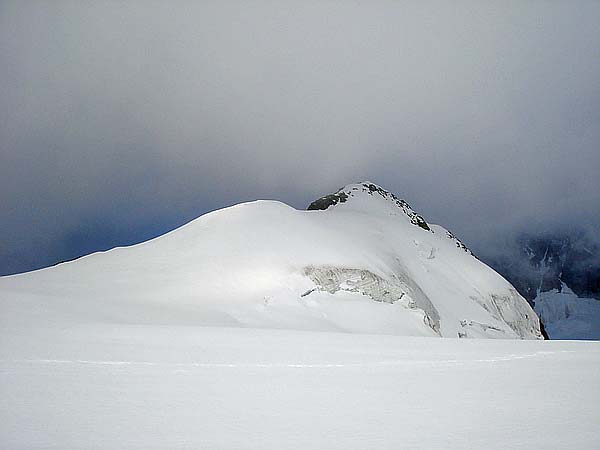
166, 387
366, 264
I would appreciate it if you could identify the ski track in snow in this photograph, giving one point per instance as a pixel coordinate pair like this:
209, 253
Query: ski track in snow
152, 387
277, 365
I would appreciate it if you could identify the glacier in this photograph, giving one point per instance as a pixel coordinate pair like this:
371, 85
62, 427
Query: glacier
355, 324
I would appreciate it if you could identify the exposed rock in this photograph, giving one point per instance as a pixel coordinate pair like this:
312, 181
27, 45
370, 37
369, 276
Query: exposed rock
345, 193
459, 243
327, 201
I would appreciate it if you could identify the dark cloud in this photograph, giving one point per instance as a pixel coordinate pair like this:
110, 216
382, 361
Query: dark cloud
119, 121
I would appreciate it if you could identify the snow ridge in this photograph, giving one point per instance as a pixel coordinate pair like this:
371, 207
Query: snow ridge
360, 261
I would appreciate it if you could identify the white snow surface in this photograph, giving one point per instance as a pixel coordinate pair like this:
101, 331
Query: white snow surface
261, 326
567, 316
360, 266
125, 386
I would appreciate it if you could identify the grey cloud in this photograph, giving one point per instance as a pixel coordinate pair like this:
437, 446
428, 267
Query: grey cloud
128, 119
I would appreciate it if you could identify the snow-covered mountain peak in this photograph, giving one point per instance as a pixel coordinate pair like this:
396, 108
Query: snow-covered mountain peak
369, 198
367, 264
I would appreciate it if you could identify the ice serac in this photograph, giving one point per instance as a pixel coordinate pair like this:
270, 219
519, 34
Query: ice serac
424, 273
360, 260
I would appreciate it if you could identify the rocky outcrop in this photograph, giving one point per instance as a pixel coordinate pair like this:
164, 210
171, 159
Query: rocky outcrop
343, 194
327, 201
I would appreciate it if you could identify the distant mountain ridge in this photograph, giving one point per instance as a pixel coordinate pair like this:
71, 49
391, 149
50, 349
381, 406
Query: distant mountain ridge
559, 275
542, 263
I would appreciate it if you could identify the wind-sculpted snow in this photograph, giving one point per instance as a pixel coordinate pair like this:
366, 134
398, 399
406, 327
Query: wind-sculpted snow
371, 265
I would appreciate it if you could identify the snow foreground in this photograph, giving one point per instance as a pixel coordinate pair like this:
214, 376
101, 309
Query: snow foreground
157, 387
360, 260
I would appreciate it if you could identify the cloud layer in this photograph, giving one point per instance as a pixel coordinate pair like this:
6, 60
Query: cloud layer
121, 121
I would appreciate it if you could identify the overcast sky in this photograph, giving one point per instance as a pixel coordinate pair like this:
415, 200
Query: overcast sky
120, 121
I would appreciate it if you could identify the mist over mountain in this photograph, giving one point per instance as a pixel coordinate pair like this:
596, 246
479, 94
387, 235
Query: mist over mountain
120, 123
558, 273
540, 262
